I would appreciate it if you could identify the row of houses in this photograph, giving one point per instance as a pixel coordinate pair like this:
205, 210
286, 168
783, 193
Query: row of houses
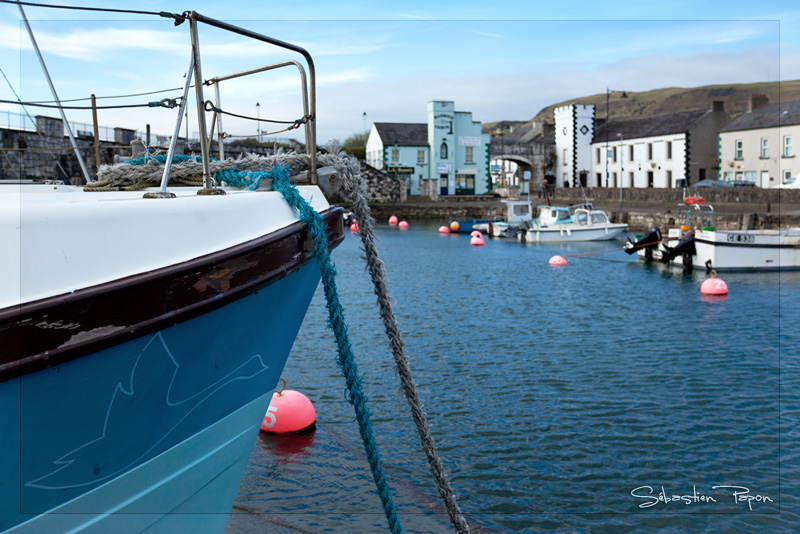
450, 156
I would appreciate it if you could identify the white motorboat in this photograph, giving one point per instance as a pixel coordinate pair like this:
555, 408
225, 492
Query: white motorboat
587, 224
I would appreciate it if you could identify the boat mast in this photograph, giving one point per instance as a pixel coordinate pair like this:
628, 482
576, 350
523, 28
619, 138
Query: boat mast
55, 97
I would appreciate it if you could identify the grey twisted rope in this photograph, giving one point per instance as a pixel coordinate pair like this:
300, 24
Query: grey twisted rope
354, 188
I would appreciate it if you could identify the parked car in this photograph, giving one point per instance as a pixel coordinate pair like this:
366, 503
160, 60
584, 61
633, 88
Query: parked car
739, 183
712, 183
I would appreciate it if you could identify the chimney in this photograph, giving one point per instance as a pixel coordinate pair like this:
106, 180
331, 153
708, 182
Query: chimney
756, 101
718, 106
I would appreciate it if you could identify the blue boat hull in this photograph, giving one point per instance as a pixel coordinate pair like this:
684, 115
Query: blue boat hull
153, 433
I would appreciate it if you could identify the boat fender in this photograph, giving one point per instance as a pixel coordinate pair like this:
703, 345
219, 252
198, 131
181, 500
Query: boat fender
289, 412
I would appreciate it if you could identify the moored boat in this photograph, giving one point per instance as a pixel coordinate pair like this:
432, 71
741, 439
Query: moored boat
745, 250
586, 224
143, 332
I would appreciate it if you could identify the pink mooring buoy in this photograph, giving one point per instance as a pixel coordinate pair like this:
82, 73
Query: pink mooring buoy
714, 286
393, 220
289, 412
557, 260
476, 233
444, 230
476, 241
402, 224
354, 227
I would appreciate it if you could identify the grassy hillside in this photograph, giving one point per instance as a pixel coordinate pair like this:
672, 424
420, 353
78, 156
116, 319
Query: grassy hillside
675, 99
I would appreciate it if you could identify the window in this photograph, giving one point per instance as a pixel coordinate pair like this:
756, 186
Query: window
649, 151
469, 156
598, 218
669, 149
630, 179
597, 155
420, 156
787, 176
787, 146
395, 155
614, 154
599, 178
669, 178
565, 157
750, 176
737, 149
443, 151
630, 153
764, 147
727, 176
582, 217
613, 180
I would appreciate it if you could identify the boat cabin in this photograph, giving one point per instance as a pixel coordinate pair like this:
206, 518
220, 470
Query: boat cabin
586, 217
518, 210
553, 215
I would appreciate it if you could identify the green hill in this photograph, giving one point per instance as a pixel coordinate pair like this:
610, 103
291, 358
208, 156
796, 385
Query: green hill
673, 100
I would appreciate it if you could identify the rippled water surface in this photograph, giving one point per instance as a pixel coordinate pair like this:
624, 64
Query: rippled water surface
562, 399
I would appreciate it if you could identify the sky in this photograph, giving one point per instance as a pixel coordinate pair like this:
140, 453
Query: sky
500, 60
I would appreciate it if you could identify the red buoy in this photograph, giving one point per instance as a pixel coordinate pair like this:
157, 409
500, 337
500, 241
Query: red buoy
393, 220
289, 412
557, 260
402, 224
476, 241
444, 230
354, 227
714, 286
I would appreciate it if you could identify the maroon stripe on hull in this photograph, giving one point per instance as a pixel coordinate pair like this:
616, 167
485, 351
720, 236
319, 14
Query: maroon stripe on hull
50, 331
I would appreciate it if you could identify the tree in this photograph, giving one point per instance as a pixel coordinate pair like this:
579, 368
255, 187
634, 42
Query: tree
356, 145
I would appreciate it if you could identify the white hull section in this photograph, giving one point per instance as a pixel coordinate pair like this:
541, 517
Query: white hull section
748, 249
571, 232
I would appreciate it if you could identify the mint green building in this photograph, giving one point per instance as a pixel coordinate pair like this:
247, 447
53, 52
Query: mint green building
447, 156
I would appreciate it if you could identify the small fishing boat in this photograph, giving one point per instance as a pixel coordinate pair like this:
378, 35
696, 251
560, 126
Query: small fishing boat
698, 243
558, 225
143, 331
517, 212
746, 250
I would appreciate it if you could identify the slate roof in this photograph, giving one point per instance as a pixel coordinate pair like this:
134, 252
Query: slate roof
405, 134
767, 116
670, 123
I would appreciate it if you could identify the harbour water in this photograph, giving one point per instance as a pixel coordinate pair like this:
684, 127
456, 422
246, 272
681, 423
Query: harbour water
603, 396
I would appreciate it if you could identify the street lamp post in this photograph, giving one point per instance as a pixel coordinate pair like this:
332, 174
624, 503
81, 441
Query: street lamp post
608, 98
621, 169
258, 122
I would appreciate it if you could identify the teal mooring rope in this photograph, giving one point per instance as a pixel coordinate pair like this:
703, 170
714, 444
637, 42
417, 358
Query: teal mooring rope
336, 322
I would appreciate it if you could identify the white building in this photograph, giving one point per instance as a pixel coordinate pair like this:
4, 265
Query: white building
660, 151
449, 149
760, 146
574, 131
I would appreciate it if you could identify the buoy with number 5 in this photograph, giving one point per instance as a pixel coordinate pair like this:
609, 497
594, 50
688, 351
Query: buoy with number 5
289, 412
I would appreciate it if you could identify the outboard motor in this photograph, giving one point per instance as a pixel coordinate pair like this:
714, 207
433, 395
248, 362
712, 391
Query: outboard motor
648, 242
684, 248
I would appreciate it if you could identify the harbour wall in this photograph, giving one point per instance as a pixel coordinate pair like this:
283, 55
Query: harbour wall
734, 208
